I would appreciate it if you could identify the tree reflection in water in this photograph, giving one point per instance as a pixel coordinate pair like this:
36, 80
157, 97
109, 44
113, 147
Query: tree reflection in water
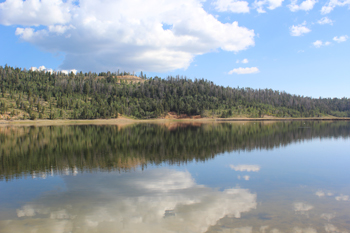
39, 151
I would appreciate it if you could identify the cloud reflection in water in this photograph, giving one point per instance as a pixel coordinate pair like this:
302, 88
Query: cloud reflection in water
161, 200
245, 167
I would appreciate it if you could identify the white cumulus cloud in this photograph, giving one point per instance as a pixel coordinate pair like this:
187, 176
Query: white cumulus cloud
244, 61
49, 70
305, 5
25, 33
340, 38
66, 72
319, 43
128, 34
331, 4
299, 30
234, 6
248, 70
271, 5
325, 20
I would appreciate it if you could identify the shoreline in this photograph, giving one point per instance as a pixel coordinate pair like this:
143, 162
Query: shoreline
127, 121
114, 121
287, 119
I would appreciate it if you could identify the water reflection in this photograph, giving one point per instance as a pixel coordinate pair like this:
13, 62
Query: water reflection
245, 167
94, 178
162, 200
43, 151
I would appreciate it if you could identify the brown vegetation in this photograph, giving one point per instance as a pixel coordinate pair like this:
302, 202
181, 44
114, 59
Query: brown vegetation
173, 115
125, 78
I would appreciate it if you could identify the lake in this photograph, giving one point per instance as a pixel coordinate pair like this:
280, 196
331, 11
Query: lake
236, 177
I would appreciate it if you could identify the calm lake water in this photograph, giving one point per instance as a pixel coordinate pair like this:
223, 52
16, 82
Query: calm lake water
229, 177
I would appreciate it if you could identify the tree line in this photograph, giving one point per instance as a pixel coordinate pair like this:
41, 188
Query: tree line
39, 94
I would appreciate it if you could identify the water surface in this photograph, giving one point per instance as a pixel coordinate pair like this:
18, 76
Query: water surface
229, 177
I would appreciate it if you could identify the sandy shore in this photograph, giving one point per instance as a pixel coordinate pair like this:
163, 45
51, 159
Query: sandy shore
287, 119
127, 121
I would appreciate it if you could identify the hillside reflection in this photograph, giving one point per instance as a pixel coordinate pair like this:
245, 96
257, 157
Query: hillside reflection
41, 151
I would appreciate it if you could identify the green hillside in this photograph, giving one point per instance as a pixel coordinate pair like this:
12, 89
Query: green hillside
38, 94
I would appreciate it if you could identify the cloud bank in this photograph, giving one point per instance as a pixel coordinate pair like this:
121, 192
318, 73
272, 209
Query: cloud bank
107, 35
299, 30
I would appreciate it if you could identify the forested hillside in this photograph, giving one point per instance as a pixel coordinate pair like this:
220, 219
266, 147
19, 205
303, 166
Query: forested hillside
38, 94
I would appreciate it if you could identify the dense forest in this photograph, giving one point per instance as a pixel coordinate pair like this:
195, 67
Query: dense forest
78, 148
38, 94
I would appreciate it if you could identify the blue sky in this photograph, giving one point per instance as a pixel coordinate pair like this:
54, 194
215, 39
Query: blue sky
301, 47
